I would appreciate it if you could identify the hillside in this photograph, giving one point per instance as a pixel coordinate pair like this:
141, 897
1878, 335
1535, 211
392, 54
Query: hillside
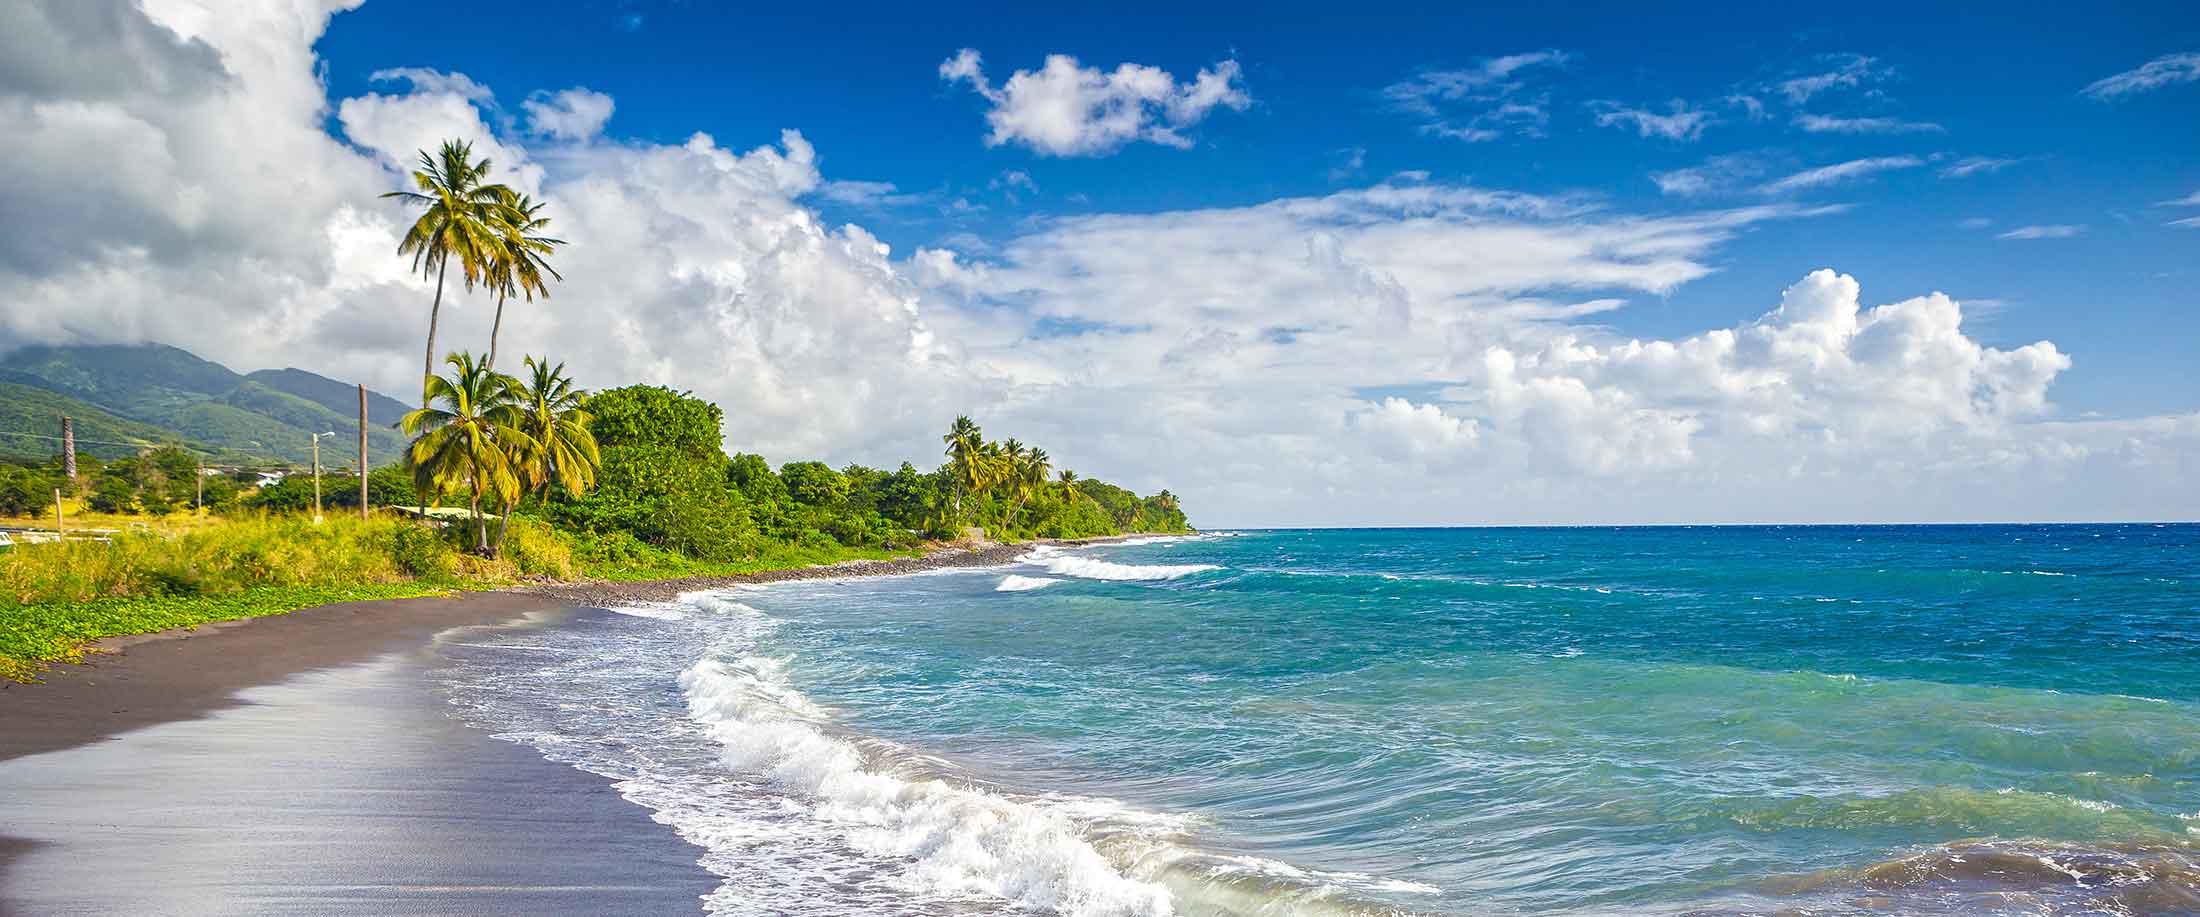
168, 394
25, 409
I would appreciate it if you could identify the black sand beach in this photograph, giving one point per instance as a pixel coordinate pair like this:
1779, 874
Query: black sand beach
302, 763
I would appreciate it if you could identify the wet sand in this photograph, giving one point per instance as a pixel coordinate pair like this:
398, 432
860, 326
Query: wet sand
344, 790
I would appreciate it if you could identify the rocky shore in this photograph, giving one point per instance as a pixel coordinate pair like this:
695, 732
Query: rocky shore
602, 594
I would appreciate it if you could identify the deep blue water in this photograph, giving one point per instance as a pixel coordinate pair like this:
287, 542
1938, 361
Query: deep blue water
1943, 719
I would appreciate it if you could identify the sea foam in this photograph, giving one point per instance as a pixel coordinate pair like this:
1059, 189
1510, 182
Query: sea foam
1060, 564
1015, 583
955, 840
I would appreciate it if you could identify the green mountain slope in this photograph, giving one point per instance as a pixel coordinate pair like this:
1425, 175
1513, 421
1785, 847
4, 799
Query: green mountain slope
177, 396
25, 409
340, 397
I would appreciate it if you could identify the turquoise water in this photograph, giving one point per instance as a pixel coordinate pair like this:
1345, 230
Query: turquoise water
1828, 719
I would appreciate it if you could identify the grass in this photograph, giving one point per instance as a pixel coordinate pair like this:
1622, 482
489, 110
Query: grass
183, 570
36, 634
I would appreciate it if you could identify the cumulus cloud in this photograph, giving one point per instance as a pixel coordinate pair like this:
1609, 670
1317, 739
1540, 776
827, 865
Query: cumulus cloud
1067, 109
1680, 122
1826, 124
211, 207
1840, 172
2167, 70
2051, 231
1494, 97
578, 113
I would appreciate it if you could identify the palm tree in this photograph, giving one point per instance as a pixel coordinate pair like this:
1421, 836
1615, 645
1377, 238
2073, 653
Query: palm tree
520, 261
965, 454
559, 446
462, 218
473, 440
1030, 474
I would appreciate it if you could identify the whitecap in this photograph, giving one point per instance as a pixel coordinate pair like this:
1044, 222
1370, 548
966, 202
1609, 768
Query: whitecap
952, 840
1062, 564
1015, 583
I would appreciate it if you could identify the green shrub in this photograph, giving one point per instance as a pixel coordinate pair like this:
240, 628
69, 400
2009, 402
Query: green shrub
421, 552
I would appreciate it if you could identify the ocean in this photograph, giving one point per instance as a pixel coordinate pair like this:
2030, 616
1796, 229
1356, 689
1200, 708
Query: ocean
1668, 720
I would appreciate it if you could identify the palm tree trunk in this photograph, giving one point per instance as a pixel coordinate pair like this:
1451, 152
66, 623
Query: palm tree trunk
435, 312
497, 546
481, 529
428, 368
494, 326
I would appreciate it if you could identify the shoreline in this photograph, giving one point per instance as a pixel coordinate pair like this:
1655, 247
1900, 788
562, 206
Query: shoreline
187, 676
142, 680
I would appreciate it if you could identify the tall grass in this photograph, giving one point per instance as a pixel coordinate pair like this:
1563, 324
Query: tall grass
55, 596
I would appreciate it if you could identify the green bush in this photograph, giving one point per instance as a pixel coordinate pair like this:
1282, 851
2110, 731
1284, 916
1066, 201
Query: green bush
421, 552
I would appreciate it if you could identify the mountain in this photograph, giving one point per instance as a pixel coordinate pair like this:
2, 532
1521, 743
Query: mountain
382, 410
170, 394
37, 412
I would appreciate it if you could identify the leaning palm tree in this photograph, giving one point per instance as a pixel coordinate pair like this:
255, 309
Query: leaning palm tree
520, 262
966, 456
559, 447
471, 441
463, 216
1030, 475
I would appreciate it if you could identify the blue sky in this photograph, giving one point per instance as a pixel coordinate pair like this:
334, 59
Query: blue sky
862, 85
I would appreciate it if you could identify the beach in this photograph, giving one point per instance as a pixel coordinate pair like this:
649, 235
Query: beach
233, 766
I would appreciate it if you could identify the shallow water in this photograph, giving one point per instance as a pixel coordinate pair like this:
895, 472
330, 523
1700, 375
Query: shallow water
1827, 719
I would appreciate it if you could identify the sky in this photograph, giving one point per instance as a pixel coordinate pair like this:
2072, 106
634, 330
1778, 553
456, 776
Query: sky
1567, 263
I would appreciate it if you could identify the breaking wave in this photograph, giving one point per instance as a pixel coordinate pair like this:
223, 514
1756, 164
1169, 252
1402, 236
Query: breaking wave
1060, 564
1015, 583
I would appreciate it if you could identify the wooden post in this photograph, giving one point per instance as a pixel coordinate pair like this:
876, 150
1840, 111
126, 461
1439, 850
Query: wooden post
60, 528
202, 487
316, 479
362, 451
68, 447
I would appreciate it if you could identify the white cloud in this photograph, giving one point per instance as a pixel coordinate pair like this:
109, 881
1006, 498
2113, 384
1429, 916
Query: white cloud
1975, 223
1975, 165
1752, 107
208, 206
867, 193
2188, 223
1823, 124
1715, 175
2052, 231
1065, 109
1848, 71
423, 79
2167, 70
578, 113
1682, 122
1482, 102
1840, 172
2189, 200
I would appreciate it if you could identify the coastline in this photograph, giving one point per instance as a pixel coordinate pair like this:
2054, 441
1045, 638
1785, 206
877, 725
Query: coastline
142, 680
196, 679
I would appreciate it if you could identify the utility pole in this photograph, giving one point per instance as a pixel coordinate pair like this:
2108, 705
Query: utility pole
202, 487
362, 452
60, 528
68, 447
317, 475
